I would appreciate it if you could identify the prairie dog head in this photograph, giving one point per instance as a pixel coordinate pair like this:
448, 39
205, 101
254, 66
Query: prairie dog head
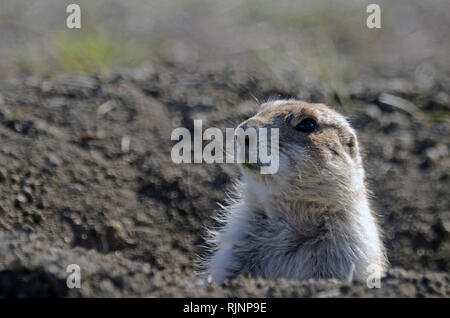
319, 158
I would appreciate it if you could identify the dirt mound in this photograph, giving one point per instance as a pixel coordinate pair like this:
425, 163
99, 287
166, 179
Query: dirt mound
86, 178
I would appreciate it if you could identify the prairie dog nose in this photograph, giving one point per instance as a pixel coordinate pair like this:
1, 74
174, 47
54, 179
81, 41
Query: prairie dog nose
246, 135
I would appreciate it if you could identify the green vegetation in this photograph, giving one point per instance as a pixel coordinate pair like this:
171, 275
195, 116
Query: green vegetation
438, 115
27, 65
94, 52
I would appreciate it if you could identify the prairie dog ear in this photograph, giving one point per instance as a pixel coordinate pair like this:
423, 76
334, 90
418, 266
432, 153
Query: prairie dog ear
350, 144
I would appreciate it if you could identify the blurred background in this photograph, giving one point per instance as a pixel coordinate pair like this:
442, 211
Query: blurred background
327, 38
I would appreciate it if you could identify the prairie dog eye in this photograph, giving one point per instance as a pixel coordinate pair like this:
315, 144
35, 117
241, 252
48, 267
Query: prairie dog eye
307, 125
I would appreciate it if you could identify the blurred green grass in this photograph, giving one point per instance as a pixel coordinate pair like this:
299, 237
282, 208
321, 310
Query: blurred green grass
93, 52
89, 52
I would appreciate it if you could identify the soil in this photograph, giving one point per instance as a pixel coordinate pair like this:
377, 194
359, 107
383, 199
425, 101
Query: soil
86, 178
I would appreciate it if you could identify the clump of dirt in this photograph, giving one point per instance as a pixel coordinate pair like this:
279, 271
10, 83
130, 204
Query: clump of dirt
86, 178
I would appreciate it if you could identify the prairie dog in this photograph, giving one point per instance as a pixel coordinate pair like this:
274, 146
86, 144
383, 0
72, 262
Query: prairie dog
312, 218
